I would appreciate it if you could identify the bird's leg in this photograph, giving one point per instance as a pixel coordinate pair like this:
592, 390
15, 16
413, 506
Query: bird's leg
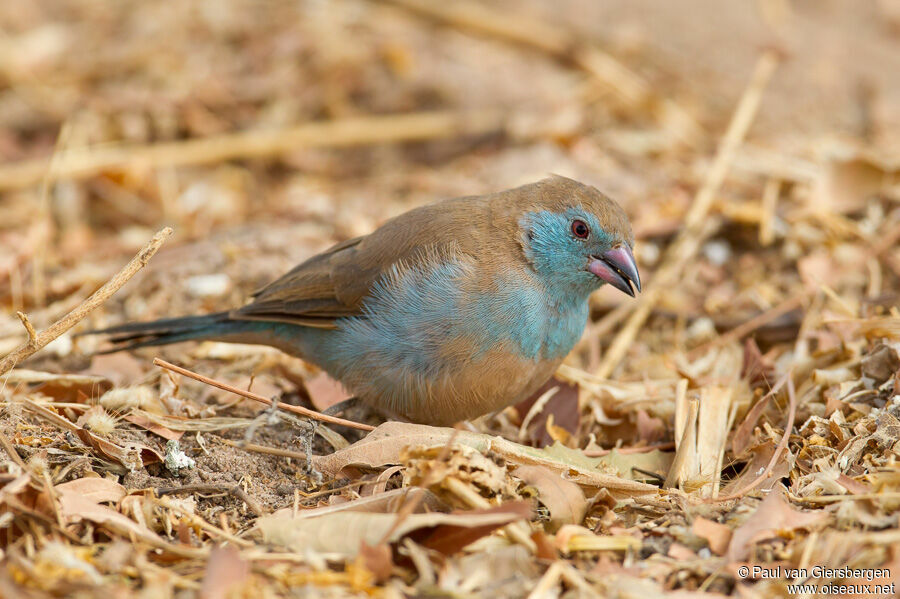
341, 406
353, 402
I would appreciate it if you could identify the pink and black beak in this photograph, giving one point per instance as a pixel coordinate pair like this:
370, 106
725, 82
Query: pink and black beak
617, 267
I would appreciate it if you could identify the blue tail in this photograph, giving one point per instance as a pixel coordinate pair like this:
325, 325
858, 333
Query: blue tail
167, 330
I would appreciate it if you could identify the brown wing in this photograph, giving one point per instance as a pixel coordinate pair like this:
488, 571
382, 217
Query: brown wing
335, 283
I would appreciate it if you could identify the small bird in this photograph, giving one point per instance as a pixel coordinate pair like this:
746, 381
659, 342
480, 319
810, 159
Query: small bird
444, 313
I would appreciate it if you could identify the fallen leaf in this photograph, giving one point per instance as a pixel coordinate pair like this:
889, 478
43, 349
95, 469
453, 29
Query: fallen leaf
681, 552
225, 570
384, 446
630, 465
133, 456
850, 178
572, 537
377, 560
324, 391
140, 418
97, 490
717, 535
561, 408
564, 499
449, 539
388, 502
79, 507
772, 517
60, 387
342, 534
762, 455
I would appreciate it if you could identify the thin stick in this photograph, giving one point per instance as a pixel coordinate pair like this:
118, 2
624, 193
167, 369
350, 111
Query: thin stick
264, 400
230, 489
284, 453
29, 328
782, 445
769, 201
689, 240
86, 162
39, 340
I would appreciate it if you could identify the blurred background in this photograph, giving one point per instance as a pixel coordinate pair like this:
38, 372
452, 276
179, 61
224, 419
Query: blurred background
264, 131
755, 146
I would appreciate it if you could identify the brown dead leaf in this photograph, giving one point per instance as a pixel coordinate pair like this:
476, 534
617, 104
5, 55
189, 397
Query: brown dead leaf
140, 418
384, 446
134, 456
449, 539
850, 179
630, 465
560, 411
717, 535
324, 391
225, 570
564, 499
377, 560
122, 368
97, 490
78, 507
388, 502
772, 517
343, 533
60, 387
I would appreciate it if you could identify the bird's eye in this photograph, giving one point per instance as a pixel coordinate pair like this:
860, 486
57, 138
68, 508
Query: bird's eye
580, 229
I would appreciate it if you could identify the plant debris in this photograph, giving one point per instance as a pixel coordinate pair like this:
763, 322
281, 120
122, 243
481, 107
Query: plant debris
734, 431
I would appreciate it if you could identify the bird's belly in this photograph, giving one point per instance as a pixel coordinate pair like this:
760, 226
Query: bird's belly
432, 349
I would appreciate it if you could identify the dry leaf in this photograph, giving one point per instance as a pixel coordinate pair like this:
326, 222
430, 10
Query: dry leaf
324, 391
140, 418
77, 507
717, 535
561, 409
773, 517
449, 539
342, 534
377, 560
384, 446
97, 490
564, 499
225, 570
388, 502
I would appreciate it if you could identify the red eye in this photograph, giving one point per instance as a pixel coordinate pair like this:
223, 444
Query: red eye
580, 229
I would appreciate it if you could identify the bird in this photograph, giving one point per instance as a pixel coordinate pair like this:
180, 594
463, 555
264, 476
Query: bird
444, 313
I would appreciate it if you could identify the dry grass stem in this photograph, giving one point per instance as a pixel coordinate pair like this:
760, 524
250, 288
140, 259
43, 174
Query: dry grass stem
39, 340
259, 398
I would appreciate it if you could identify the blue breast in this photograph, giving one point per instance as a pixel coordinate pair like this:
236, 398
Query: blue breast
413, 314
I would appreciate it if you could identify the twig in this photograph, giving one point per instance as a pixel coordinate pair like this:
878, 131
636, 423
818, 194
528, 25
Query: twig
782, 445
29, 328
13, 454
691, 236
285, 453
37, 341
264, 400
85, 162
231, 489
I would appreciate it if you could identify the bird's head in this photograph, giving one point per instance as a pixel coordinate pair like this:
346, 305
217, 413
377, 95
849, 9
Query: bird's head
577, 238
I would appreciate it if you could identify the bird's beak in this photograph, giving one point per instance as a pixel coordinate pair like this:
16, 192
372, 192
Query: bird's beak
617, 268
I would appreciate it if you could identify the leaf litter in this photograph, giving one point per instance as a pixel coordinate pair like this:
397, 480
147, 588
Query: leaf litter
744, 413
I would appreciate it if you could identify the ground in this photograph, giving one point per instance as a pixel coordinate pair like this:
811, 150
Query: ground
732, 431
